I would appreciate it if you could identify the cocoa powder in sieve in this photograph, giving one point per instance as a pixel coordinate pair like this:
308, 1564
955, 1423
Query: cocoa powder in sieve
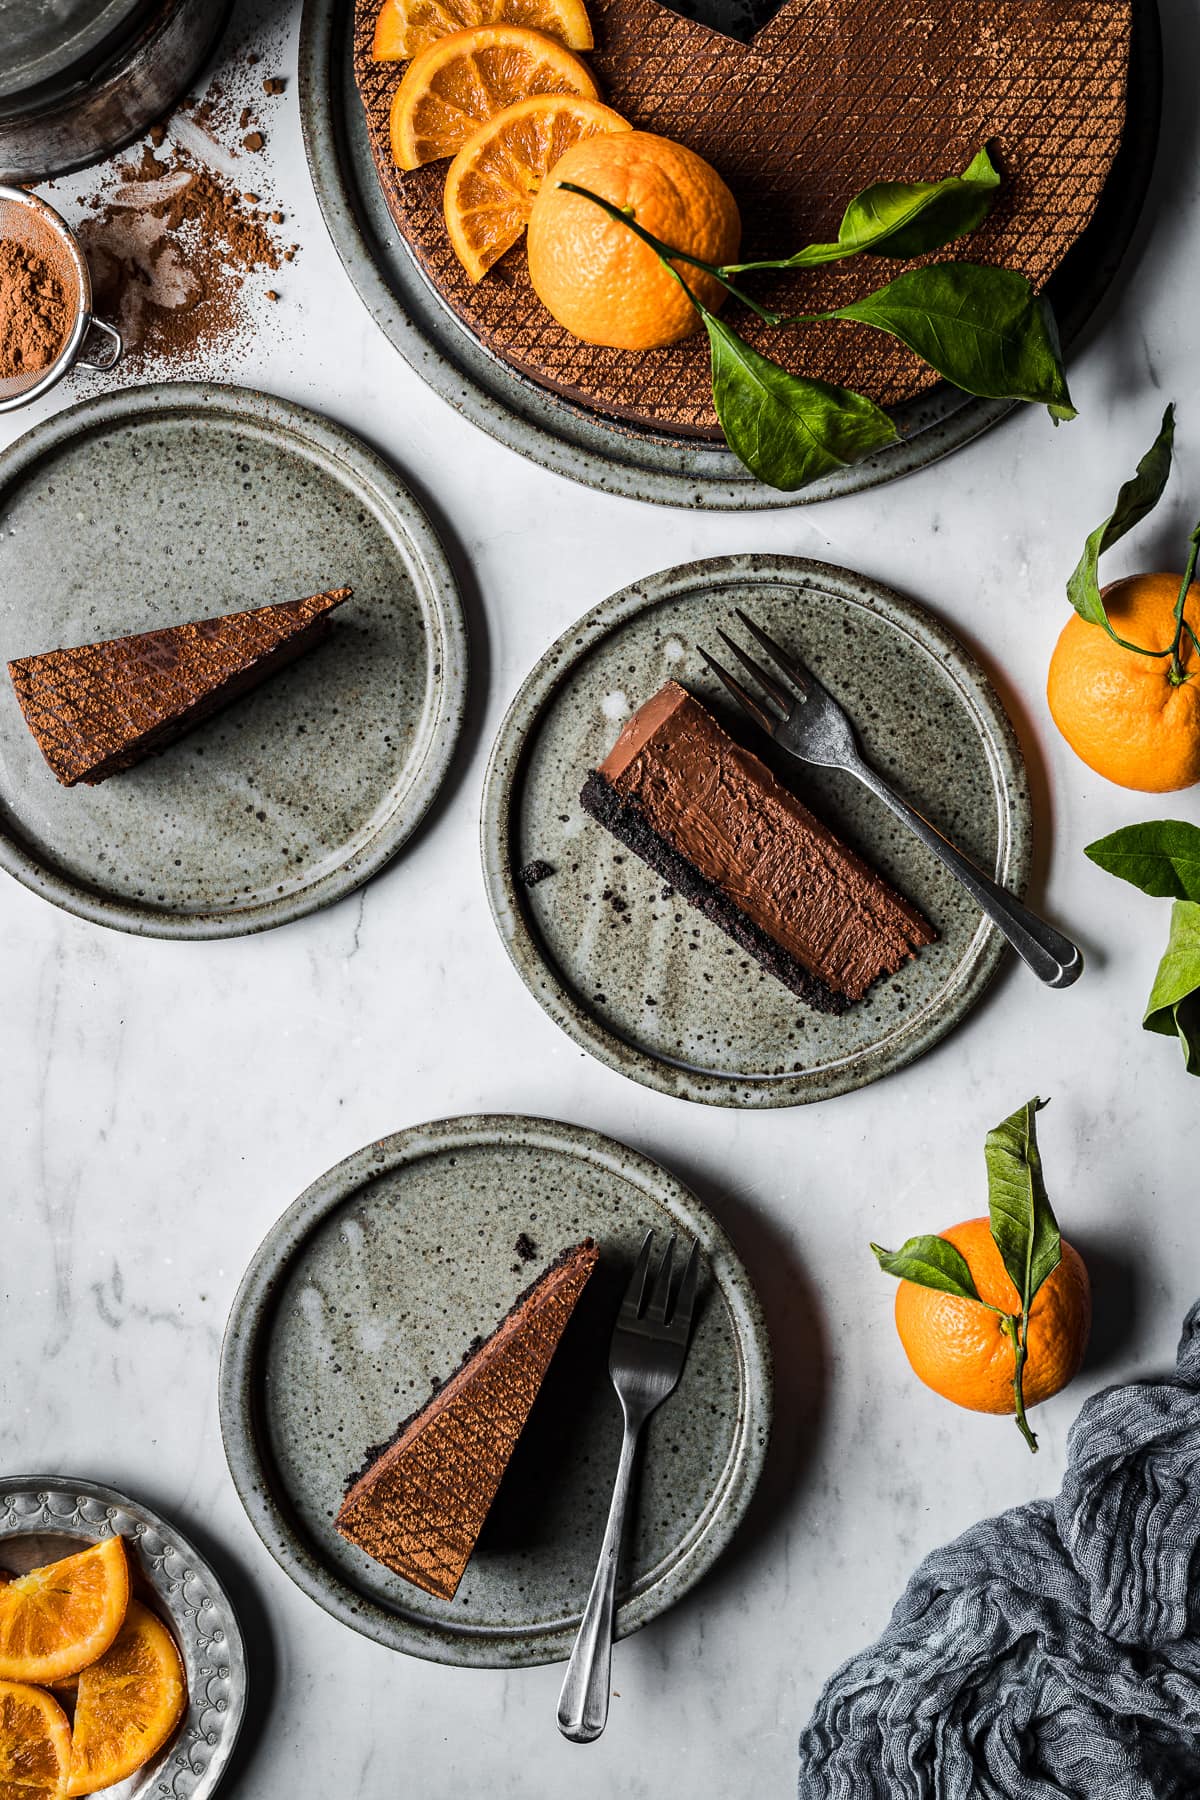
35, 313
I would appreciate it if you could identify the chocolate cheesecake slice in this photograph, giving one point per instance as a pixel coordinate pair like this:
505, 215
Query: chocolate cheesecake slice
713, 821
99, 708
420, 1504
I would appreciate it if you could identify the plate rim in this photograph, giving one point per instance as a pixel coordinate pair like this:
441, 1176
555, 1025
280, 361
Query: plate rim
338, 448
44, 1488
536, 695
250, 1466
432, 343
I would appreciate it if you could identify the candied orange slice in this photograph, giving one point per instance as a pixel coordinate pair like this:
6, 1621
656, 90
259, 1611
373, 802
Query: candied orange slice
491, 183
406, 27
35, 1744
128, 1703
57, 1619
467, 78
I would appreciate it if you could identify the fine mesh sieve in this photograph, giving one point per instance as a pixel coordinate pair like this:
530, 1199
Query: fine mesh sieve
28, 221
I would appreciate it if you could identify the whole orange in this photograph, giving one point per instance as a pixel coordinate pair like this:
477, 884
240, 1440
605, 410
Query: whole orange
591, 272
959, 1348
1120, 712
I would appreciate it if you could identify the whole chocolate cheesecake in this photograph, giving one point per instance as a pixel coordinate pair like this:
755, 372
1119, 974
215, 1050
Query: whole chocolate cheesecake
420, 1504
96, 709
710, 818
830, 96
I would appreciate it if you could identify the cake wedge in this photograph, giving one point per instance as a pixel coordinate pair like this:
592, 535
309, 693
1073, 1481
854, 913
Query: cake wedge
419, 1505
711, 819
96, 709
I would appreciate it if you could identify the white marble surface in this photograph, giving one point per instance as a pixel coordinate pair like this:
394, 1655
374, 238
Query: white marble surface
163, 1102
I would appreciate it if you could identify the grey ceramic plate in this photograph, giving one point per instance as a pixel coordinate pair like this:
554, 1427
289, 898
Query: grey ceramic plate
643, 982
172, 502
370, 1288
606, 453
44, 1517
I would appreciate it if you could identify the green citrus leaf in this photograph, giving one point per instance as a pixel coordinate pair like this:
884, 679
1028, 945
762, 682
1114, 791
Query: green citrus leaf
931, 1262
787, 430
902, 218
1137, 497
1174, 1005
1162, 857
984, 329
1022, 1219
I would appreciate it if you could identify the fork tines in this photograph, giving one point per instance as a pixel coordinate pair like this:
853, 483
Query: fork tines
779, 701
651, 1304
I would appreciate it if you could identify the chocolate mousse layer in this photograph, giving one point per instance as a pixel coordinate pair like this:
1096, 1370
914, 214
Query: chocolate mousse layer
98, 708
420, 1504
713, 821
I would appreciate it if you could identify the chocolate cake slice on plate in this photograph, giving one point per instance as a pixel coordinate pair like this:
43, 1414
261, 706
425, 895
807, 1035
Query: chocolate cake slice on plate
420, 1504
98, 708
712, 820
828, 97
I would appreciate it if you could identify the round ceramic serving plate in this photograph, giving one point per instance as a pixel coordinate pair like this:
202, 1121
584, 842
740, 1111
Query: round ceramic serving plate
45, 1517
610, 454
636, 976
161, 504
369, 1290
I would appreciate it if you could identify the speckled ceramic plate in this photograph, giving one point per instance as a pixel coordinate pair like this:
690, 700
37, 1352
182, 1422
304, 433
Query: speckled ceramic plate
641, 980
370, 1288
607, 453
160, 504
44, 1517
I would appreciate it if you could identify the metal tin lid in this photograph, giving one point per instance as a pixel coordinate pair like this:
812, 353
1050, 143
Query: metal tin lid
52, 43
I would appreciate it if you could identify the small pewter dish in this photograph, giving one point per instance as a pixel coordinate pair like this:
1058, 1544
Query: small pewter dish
90, 341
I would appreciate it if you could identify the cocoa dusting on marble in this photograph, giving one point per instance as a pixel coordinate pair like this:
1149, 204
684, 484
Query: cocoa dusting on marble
175, 239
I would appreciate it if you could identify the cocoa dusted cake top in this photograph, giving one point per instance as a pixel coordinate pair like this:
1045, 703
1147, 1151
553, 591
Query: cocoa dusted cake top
420, 1504
95, 709
759, 852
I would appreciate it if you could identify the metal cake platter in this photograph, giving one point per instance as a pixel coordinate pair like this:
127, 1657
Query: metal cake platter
79, 78
155, 505
45, 1517
639, 979
613, 455
366, 1294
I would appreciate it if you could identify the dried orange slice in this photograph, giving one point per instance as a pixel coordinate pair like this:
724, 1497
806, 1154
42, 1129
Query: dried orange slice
406, 27
57, 1619
464, 79
491, 183
128, 1704
35, 1744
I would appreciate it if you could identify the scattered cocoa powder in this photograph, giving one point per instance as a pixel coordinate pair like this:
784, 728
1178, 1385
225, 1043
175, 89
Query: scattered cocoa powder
35, 313
170, 248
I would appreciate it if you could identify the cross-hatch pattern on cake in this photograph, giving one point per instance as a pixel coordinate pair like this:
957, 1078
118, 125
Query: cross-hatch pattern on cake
95, 709
420, 1505
822, 102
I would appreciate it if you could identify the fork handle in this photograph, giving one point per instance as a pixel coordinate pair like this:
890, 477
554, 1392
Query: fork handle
1052, 957
583, 1702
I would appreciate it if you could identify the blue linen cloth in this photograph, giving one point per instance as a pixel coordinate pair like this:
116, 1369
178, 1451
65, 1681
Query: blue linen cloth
1054, 1650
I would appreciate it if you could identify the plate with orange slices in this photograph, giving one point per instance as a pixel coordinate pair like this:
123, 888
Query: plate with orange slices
431, 126
122, 1664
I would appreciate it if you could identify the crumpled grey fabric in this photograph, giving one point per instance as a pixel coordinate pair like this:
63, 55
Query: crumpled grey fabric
1054, 1650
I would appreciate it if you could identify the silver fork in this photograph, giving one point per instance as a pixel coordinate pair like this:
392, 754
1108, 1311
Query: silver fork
645, 1360
813, 727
